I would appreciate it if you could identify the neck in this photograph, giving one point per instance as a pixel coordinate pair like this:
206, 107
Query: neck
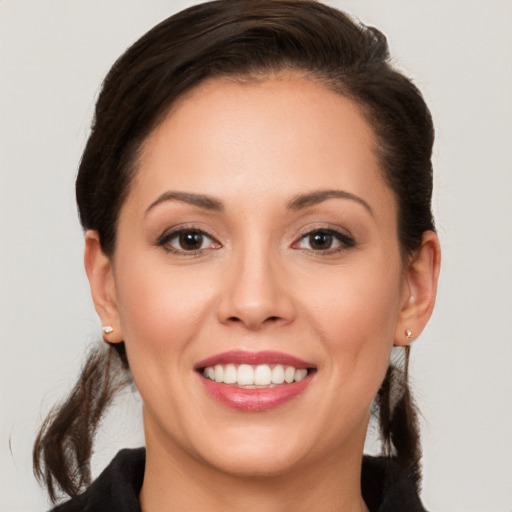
173, 481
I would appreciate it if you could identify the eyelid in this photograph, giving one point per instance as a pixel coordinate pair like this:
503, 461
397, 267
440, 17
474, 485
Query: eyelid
324, 226
345, 239
343, 236
171, 233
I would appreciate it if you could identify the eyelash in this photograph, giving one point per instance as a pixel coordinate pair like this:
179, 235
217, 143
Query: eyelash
165, 240
345, 241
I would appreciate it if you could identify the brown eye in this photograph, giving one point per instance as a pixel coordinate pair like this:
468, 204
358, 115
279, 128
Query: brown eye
324, 241
320, 241
190, 240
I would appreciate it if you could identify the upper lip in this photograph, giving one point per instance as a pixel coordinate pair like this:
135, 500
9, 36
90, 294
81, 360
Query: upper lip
253, 358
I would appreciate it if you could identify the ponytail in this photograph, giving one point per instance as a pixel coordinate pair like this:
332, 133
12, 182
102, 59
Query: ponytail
64, 444
398, 420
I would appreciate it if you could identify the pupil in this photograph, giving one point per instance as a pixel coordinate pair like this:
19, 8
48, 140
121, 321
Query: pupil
191, 240
321, 241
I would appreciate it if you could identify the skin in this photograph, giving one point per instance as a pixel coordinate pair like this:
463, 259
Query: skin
258, 284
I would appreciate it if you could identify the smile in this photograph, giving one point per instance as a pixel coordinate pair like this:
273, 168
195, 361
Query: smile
263, 375
254, 381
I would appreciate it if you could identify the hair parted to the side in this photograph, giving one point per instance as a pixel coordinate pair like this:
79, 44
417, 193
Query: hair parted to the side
242, 40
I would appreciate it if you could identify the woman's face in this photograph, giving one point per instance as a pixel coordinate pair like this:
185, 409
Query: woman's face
259, 236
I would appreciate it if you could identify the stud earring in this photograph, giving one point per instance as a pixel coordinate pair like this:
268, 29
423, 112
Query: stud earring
107, 329
408, 335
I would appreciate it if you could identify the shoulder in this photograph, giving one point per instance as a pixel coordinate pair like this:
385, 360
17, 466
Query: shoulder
387, 488
116, 489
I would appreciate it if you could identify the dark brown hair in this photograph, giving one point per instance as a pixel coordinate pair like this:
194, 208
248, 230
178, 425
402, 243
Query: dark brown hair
243, 40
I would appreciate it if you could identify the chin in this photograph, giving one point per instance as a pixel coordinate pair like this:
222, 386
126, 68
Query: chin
253, 460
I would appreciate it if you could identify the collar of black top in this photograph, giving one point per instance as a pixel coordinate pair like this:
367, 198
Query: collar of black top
384, 485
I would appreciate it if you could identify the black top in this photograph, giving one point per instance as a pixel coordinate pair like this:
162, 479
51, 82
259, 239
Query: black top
385, 487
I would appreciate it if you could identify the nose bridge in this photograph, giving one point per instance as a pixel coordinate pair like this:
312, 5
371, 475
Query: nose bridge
254, 293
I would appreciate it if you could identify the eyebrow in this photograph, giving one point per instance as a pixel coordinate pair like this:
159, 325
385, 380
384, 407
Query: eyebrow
206, 202
304, 200
296, 203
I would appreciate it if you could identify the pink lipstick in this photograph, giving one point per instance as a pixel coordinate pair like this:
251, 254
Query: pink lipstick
254, 381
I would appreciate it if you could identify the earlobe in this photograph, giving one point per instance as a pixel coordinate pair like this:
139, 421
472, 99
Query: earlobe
421, 276
98, 267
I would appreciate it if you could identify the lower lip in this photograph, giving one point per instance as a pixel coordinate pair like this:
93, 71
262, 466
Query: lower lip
255, 399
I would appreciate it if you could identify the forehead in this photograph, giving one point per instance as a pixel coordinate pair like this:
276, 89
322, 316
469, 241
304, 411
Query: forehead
286, 134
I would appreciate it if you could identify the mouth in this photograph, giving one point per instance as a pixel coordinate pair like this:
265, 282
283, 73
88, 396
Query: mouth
255, 376
254, 381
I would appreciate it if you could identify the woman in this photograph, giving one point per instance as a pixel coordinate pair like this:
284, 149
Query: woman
255, 194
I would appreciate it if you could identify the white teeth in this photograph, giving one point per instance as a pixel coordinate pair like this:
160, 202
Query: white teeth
300, 374
230, 374
289, 374
209, 373
219, 373
278, 374
262, 375
258, 375
245, 376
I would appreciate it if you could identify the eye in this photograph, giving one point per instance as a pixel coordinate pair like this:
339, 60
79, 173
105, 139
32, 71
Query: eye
188, 240
324, 241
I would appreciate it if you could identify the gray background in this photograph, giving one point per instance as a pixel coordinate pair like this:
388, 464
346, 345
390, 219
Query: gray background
53, 55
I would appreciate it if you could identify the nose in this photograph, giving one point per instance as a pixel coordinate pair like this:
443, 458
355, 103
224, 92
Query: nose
255, 293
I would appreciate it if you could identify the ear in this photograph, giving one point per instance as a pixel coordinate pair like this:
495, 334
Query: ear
98, 267
420, 288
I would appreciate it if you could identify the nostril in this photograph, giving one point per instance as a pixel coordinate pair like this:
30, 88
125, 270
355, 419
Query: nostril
270, 319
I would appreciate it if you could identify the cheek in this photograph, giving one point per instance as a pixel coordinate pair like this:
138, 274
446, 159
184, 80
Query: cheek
355, 314
159, 308
161, 312
362, 304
